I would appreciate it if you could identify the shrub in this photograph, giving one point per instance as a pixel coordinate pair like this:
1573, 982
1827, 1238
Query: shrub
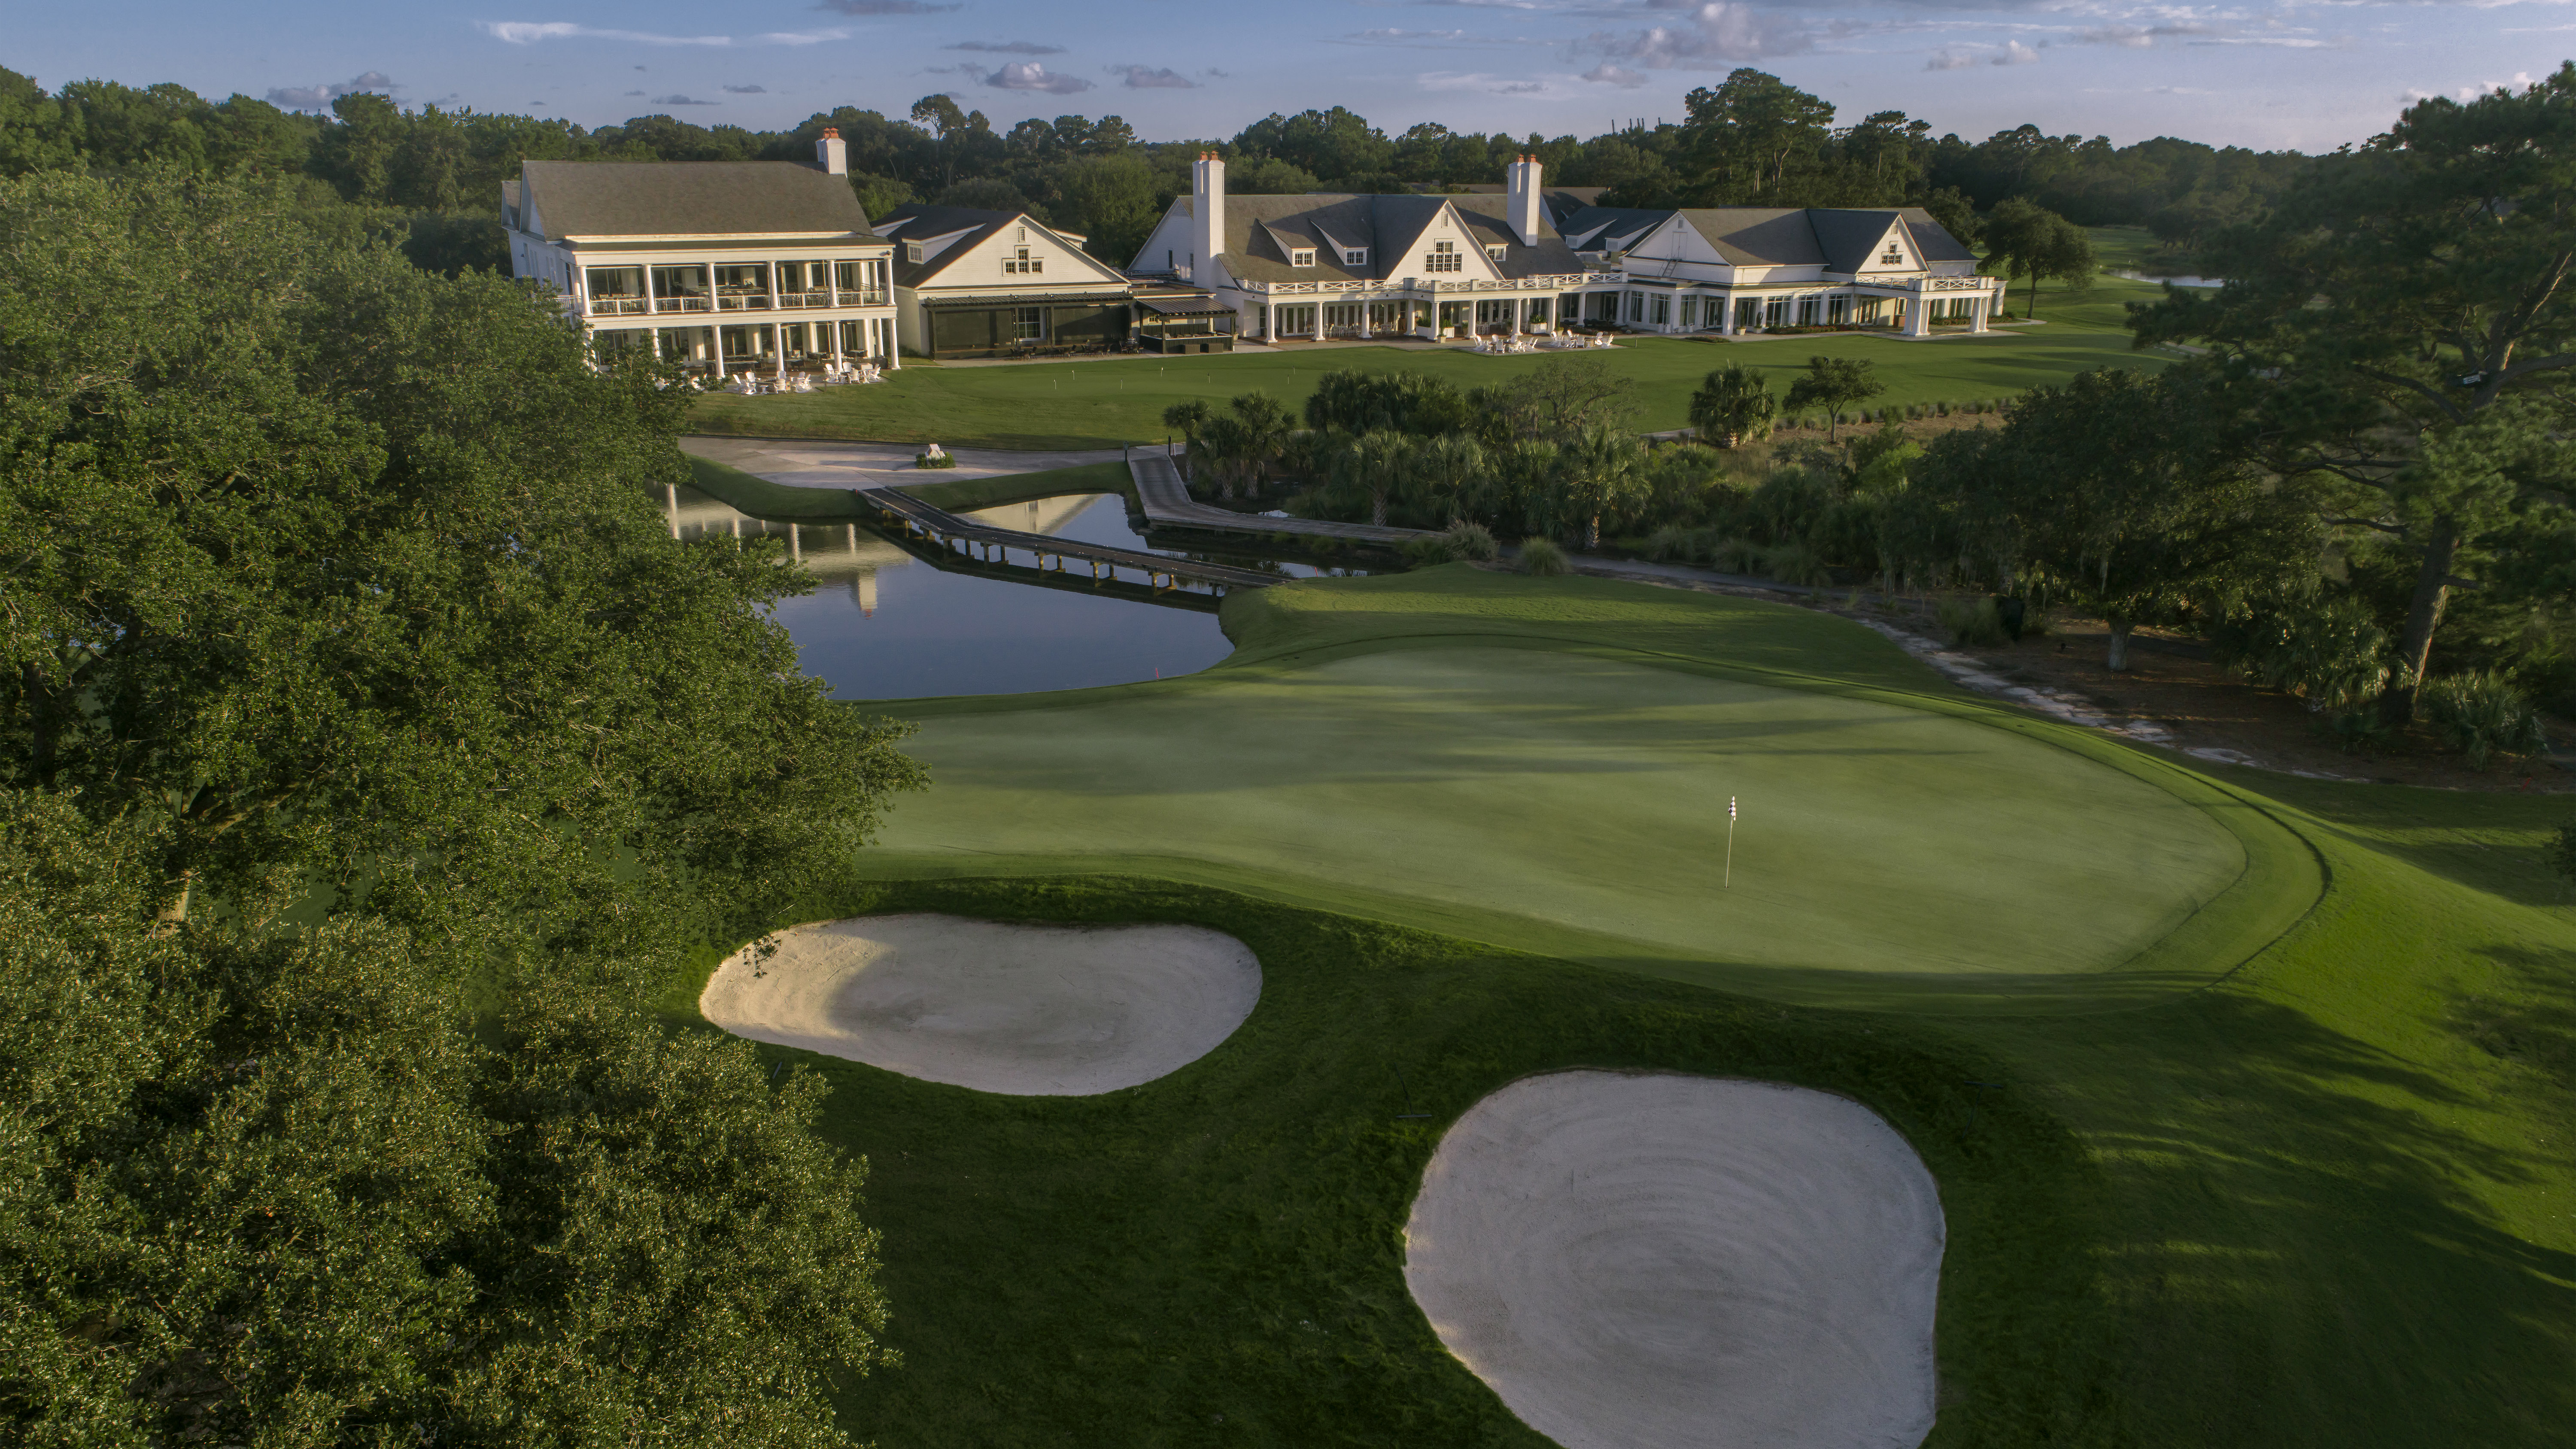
1795, 563
1541, 558
1427, 551
1670, 543
1736, 556
2328, 652
1970, 621
925, 460
2483, 714
1470, 541
2561, 854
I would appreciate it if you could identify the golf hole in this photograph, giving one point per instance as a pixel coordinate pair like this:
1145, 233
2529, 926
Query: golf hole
1647, 1261
1028, 1011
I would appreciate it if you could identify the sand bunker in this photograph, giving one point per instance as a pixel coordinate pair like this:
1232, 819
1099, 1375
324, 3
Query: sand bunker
1032, 1011
1636, 1261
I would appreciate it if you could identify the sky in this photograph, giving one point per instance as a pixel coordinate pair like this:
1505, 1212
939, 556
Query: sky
2259, 74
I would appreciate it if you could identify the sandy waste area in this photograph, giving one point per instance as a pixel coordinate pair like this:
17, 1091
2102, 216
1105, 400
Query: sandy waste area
1031, 1011
1647, 1261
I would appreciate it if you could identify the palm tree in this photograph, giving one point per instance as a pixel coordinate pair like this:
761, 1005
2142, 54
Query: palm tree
1597, 469
1377, 465
1186, 418
1226, 446
1732, 403
1266, 427
1526, 471
1446, 468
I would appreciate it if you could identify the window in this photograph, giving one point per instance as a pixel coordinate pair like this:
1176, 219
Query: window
1443, 257
1028, 324
1538, 309
1636, 306
1495, 251
1305, 258
912, 253
1355, 256
1021, 261
1663, 310
1894, 256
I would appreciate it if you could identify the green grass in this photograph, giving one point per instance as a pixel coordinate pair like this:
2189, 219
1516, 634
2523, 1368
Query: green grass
2305, 1183
1107, 403
781, 503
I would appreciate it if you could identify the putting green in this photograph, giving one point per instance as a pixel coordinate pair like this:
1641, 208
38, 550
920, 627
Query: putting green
1586, 798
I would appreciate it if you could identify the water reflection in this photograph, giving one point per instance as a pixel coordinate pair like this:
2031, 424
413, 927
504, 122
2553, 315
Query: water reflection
883, 624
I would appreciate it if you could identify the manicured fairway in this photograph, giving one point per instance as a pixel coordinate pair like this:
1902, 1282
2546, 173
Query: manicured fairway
1106, 403
2298, 1177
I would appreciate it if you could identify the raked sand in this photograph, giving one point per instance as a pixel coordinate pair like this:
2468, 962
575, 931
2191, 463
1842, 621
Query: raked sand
1031, 1011
1638, 1261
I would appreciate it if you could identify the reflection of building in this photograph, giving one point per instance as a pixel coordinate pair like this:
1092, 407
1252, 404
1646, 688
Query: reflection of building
724, 266
974, 283
1520, 259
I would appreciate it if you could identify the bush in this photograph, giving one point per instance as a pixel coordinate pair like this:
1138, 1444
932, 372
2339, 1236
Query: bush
1541, 558
1971, 621
1736, 556
1670, 544
1470, 541
2329, 653
2483, 714
1795, 563
2561, 853
925, 460
1427, 551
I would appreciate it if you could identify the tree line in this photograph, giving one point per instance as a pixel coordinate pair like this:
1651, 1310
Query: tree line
1751, 140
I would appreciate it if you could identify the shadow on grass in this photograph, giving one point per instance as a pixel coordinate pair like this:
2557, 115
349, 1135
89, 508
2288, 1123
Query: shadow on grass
2296, 1251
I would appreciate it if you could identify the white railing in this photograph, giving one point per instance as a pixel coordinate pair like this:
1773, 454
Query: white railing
747, 301
616, 306
683, 304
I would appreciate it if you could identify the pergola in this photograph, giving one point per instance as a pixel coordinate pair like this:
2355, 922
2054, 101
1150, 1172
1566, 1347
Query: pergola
1193, 322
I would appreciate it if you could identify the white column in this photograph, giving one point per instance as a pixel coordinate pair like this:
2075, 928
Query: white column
1918, 314
778, 347
1977, 312
1520, 310
1366, 333
1726, 314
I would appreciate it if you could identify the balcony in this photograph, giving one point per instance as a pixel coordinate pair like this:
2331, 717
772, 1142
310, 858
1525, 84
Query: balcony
742, 302
804, 299
683, 304
616, 306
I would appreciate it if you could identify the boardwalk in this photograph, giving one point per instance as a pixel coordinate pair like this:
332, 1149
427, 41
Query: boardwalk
1052, 554
1168, 504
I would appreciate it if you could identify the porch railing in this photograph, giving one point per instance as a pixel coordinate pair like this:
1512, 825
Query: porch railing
616, 306
742, 301
683, 304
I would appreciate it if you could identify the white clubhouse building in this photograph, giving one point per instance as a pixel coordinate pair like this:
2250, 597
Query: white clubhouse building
1523, 261
721, 266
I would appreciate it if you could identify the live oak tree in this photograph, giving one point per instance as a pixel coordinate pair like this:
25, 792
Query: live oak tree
2403, 323
2026, 240
370, 752
1834, 383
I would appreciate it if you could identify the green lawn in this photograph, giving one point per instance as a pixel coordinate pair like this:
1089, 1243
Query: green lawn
2296, 1175
783, 503
1107, 403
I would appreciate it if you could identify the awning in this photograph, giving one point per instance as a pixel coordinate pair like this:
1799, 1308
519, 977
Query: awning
1198, 304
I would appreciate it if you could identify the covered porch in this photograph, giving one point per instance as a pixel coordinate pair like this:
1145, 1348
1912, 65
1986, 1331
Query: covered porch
1184, 322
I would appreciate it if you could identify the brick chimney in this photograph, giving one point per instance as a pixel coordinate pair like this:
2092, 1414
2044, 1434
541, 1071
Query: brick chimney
1522, 185
1207, 215
832, 153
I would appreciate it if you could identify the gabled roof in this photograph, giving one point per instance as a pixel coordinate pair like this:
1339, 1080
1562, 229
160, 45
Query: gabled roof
686, 198
1837, 239
1932, 239
1262, 230
972, 227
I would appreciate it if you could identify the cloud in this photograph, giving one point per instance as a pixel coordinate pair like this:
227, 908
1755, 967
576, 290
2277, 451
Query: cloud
529, 32
2140, 37
676, 99
2016, 53
635, 93
2466, 94
1219, 74
746, 90
1006, 47
1480, 81
1949, 60
1712, 37
1028, 75
1610, 75
1152, 78
883, 7
319, 98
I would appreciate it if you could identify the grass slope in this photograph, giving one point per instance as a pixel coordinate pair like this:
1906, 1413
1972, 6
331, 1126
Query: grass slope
2324, 1198
1110, 402
778, 502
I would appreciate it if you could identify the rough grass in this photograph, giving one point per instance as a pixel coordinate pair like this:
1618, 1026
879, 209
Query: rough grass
2317, 1191
1114, 401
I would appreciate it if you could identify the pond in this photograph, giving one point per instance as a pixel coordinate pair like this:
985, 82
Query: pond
882, 624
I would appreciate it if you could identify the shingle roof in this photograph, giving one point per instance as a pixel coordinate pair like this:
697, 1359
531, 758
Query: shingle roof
1261, 230
690, 198
924, 222
1837, 239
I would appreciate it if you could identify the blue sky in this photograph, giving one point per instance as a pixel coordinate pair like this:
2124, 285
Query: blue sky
2260, 74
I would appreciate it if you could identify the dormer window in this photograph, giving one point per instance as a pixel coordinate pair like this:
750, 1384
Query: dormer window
912, 253
1303, 258
1443, 257
1894, 256
1495, 251
1021, 261
1355, 256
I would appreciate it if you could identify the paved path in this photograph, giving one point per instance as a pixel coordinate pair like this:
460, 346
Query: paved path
1167, 501
817, 463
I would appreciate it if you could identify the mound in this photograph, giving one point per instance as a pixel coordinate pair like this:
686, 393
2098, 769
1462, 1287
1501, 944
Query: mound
1031, 1011
1645, 1261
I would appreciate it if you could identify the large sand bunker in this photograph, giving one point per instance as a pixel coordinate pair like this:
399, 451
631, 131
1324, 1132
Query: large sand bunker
1642, 1261
1032, 1011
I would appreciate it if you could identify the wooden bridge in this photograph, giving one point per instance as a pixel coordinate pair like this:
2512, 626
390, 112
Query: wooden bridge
1168, 504
1054, 555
